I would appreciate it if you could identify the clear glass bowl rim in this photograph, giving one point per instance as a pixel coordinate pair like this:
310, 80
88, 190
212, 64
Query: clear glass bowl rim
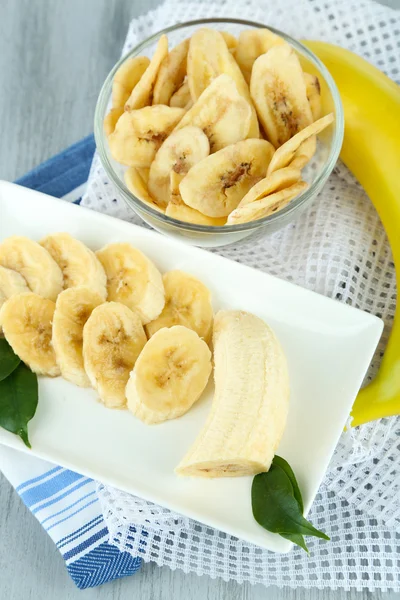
303, 198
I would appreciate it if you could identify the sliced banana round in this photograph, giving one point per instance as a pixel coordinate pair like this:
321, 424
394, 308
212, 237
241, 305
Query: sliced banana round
111, 120
221, 112
209, 57
187, 303
12, 282
177, 209
285, 154
73, 308
313, 91
169, 376
180, 151
139, 134
133, 280
181, 97
278, 180
171, 74
26, 320
113, 338
278, 91
126, 78
217, 184
251, 44
34, 263
142, 93
77, 262
137, 185
267, 205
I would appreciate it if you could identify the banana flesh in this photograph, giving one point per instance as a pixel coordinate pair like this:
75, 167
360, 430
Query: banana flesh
126, 78
278, 180
41, 273
177, 209
78, 263
169, 376
133, 280
136, 184
250, 405
111, 119
251, 44
26, 320
113, 338
11, 283
187, 303
73, 308
171, 74
181, 97
142, 93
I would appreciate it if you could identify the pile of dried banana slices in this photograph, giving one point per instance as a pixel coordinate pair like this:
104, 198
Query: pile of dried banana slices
216, 130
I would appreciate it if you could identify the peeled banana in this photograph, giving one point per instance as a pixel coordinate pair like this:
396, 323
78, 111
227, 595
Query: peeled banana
187, 303
41, 273
73, 308
142, 93
169, 376
113, 338
26, 321
133, 280
126, 78
250, 405
77, 262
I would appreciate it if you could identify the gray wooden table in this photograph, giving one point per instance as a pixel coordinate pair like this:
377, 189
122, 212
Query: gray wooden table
54, 55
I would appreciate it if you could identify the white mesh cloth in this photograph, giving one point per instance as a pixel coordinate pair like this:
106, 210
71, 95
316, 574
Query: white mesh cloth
337, 248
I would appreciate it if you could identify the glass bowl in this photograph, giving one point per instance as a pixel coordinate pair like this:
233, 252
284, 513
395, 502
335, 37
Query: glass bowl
315, 173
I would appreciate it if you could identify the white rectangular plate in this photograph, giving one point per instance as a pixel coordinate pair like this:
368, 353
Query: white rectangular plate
328, 346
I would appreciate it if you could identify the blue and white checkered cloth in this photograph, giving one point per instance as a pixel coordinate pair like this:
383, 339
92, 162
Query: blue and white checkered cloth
64, 502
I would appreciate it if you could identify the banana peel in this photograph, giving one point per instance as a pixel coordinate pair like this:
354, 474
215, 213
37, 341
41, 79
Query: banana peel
371, 150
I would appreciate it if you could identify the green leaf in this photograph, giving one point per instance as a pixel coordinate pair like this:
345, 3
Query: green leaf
18, 401
8, 360
283, 464
296, 538
276, 505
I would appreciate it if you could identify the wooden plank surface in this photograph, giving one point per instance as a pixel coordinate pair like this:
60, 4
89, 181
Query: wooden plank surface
54, 56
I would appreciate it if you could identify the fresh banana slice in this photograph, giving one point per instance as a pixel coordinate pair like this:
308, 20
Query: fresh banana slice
278, 180
251, 44
73, 308
313, 91
26, 321
169, 376
177, 209
267, 205
11, 283
217, 184
209, 57
278, 91
126, 78
182, 96
139, 134
133, 279
111, 120
230, 40
138, 187
113, 338
171, 74
250, 405
78, 264
221, 112
187, 303
34, 263
180, 151
142, 93
285, 154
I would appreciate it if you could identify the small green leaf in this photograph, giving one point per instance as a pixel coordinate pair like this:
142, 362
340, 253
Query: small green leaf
18, 401
8, 360
283, 464
296, 538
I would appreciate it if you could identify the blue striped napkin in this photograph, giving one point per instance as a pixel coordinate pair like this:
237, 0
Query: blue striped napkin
64, 502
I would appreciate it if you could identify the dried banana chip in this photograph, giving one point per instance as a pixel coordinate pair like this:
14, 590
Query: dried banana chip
209, 57
139, 133
313, 91
230, 40
221, 112
278, 180
216, 185
136, 184
305, 153
142, 93
171, 74
180, 151
126, 78
177, 209
278, 91
182, 96
285, 154
252, 43
266, 206
111, 119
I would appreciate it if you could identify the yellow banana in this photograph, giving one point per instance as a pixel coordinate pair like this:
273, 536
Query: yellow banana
371, 150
